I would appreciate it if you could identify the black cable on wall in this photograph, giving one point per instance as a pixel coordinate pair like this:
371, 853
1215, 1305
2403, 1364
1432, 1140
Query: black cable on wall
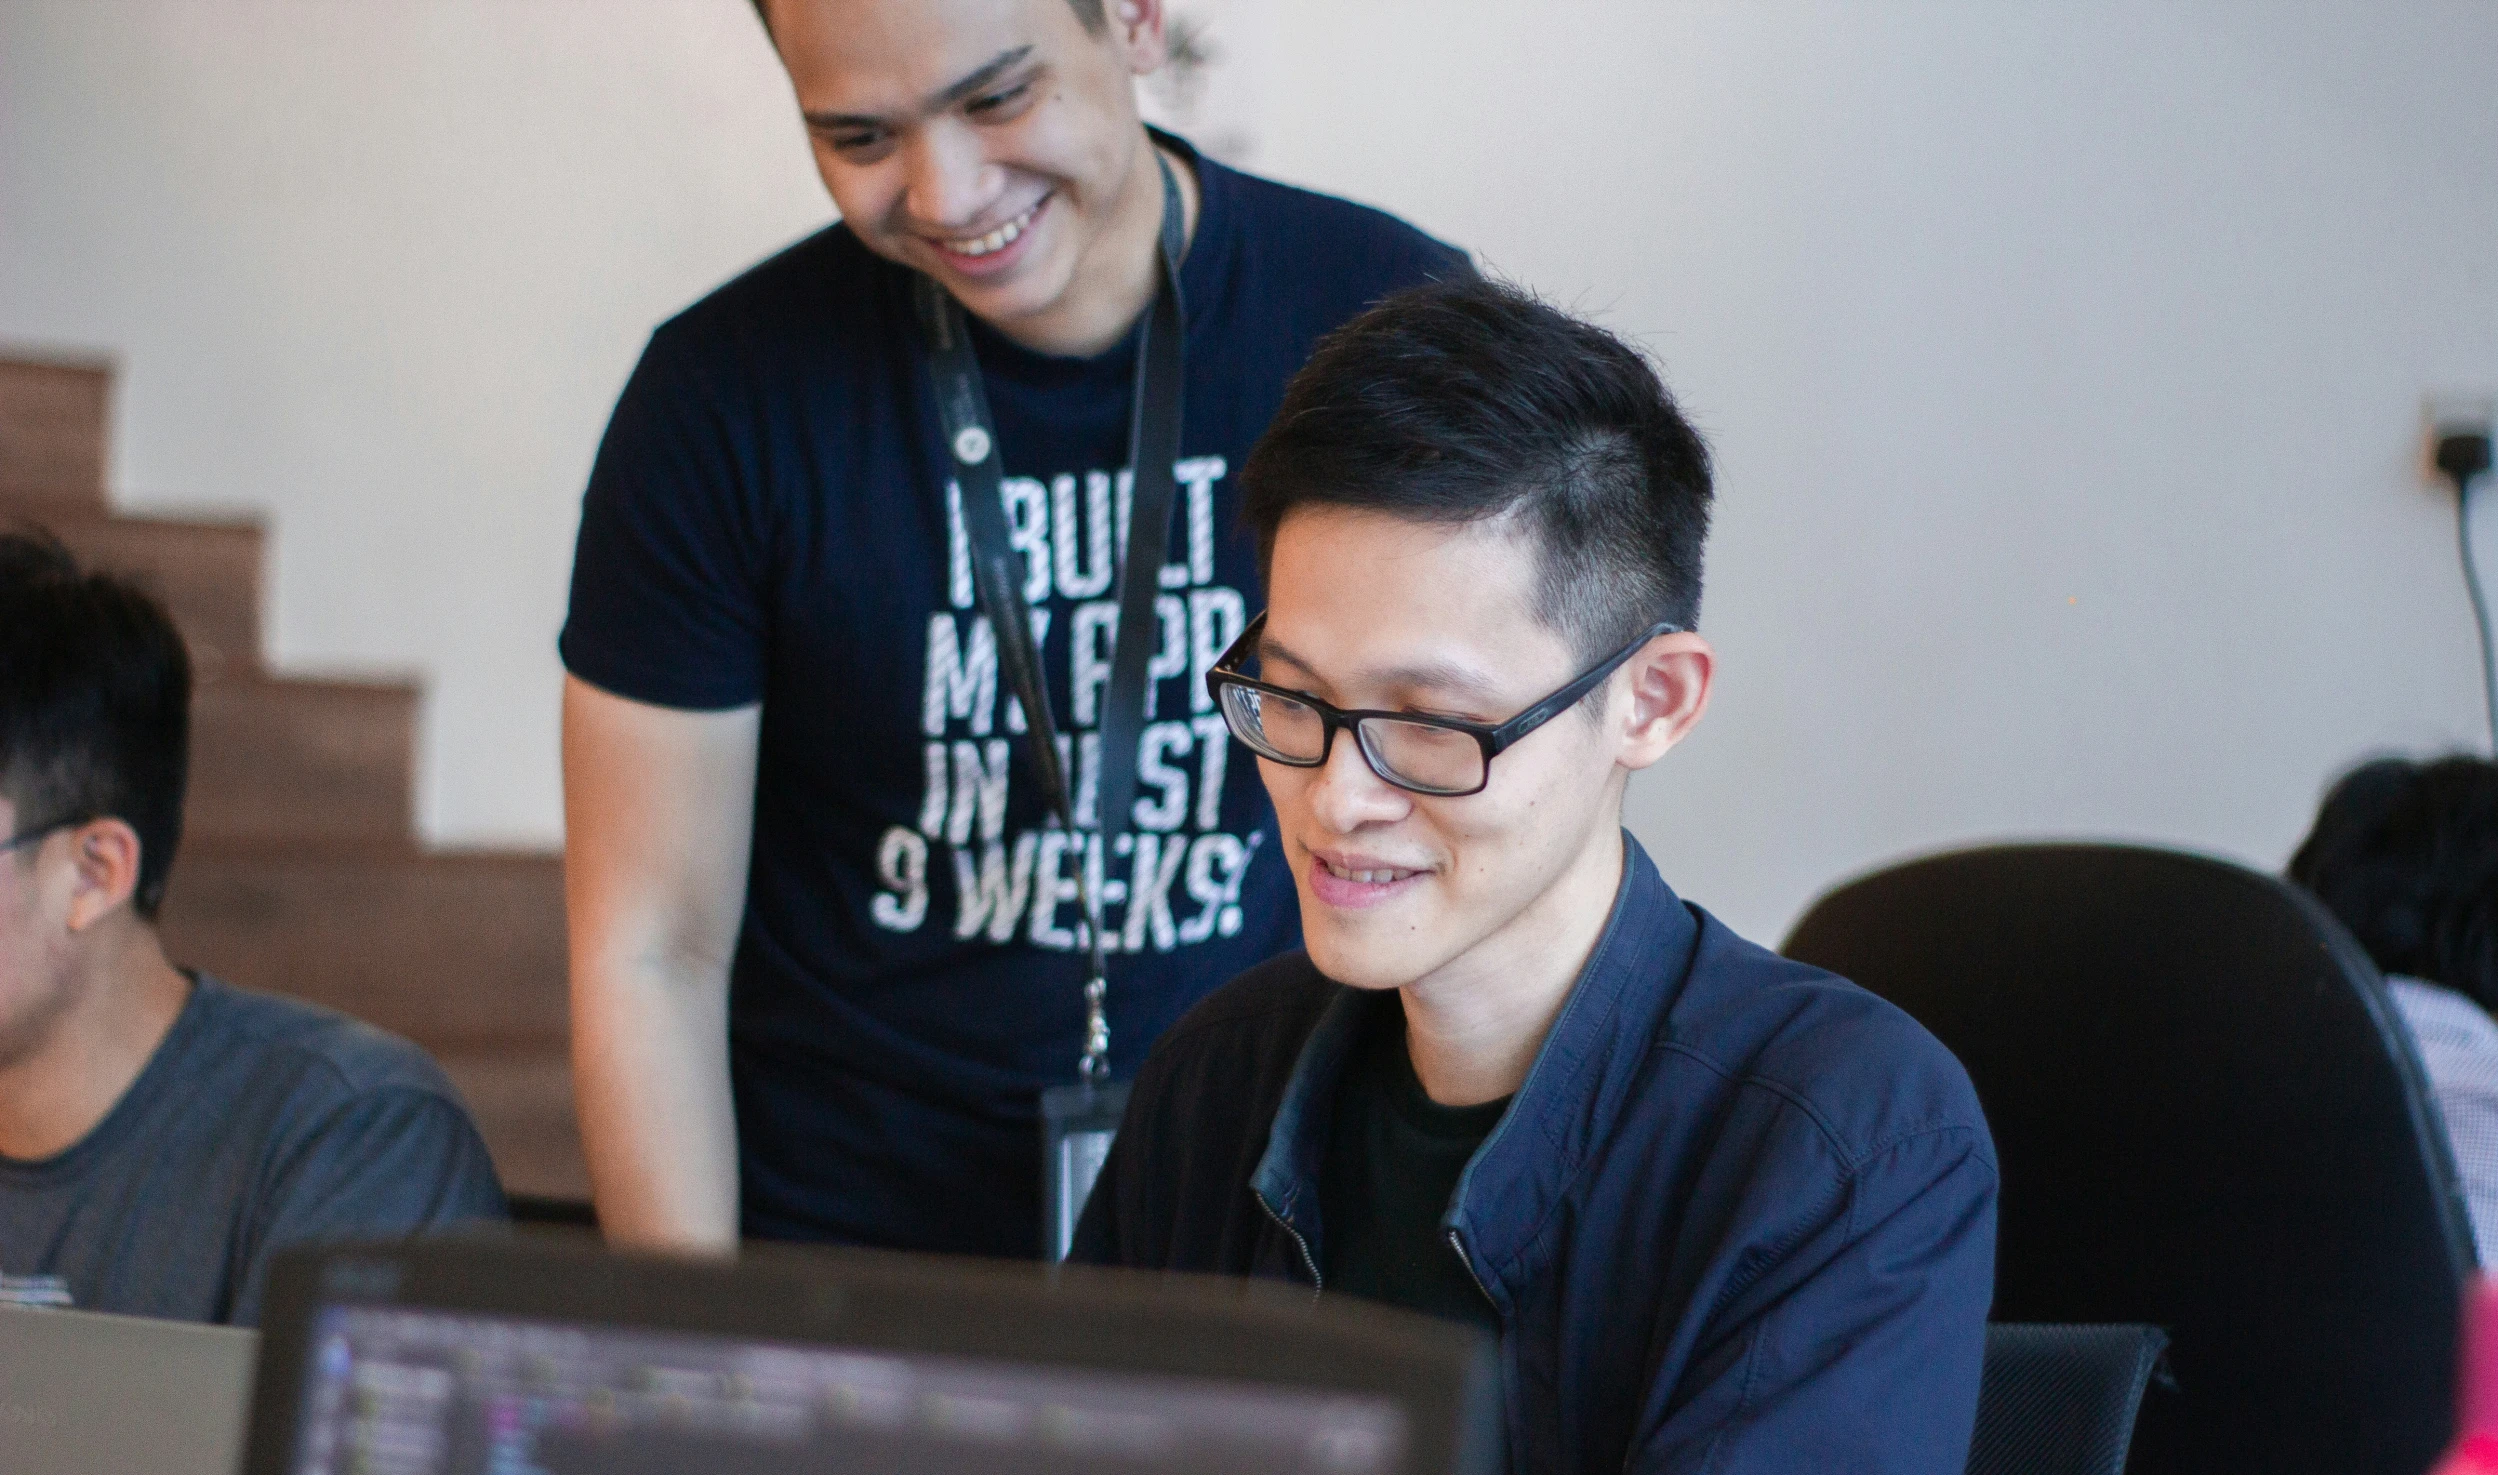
2464, 457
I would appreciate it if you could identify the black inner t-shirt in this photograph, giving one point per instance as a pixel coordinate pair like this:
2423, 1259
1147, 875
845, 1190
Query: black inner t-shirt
1393, 1160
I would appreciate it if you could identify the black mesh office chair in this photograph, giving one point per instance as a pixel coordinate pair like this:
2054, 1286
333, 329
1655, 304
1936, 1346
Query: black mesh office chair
2208, 1120
2061, 1400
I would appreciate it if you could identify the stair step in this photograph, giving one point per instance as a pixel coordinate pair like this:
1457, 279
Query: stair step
298, 875
522, 1102
52, 433
459, 951
207, 574
311, 761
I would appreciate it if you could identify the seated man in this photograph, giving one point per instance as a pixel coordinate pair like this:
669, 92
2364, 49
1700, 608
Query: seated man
2406, 855
1724, 1211
161, 1132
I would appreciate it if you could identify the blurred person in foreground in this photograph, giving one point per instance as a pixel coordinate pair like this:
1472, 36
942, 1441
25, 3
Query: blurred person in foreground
827, 952
1724, 1211
162, 1133
2406, 855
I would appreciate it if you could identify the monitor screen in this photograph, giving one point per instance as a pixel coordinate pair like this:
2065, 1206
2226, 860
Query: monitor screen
394, 1390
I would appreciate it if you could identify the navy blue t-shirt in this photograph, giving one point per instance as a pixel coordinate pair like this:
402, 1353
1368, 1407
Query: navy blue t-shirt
771, 519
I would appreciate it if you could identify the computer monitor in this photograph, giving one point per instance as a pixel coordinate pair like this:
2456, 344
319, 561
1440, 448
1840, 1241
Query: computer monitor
510, 1358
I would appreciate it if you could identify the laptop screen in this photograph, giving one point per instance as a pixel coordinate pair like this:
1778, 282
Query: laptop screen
399, 1390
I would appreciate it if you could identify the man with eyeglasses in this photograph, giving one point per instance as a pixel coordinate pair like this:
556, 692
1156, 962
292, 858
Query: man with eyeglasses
1723, 1211
164, 1133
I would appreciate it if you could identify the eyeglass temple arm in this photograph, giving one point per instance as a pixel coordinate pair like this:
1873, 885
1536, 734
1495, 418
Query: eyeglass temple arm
1237, 651
1544, 711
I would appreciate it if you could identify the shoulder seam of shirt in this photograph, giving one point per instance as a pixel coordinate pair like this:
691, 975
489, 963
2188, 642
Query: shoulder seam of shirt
439, 1088
1850, 1161
1894, 1143
442, 1094
279, 1024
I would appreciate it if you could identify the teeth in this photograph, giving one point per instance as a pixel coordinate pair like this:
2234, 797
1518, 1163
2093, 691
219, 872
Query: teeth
1367, 878
996, 240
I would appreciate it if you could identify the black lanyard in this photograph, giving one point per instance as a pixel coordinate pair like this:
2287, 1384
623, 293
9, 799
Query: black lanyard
1153, 450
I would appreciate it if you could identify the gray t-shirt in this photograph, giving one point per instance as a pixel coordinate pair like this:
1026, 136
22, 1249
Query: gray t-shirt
258, 1123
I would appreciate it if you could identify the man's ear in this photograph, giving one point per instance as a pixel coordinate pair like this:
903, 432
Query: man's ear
1140, 28
105, 854
1669, 682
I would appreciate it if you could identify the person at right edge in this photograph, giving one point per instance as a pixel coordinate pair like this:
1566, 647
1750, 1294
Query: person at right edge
2406, 855
826, 949
1724, 1211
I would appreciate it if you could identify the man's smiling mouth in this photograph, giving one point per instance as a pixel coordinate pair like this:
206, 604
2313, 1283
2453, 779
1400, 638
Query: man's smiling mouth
998, 239
1377, 876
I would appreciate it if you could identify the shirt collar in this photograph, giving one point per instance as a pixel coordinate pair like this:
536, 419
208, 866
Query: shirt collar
1587, 1064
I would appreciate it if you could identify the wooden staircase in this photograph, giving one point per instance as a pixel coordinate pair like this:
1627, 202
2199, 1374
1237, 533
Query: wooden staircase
300, 872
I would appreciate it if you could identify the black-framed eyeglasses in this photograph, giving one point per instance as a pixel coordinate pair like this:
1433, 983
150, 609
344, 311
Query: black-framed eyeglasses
24, 838
1439, 756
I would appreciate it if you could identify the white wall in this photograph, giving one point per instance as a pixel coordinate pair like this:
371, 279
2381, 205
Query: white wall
378, 271
2064, 364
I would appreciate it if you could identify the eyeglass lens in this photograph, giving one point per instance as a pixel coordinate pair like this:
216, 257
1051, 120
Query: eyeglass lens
1415, 755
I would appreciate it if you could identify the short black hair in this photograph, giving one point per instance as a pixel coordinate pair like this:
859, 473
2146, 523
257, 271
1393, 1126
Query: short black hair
1468, 400
1090, 13
2406, 854
95, 704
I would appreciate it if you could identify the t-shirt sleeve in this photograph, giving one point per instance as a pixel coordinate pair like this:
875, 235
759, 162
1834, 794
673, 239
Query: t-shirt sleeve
385, 1163
669, 572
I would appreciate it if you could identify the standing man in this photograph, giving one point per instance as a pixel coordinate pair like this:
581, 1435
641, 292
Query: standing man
827, 950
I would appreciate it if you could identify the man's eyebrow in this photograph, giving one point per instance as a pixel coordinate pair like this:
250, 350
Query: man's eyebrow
1431, 676
945, 97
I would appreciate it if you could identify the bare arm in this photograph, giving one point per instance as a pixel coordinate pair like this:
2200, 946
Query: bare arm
658, 815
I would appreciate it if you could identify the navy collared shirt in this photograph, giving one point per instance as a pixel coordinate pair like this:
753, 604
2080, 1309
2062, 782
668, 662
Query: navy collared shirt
1741, 1215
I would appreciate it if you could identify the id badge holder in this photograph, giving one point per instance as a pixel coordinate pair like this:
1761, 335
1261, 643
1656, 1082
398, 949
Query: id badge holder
1077, 1125
1077, 1121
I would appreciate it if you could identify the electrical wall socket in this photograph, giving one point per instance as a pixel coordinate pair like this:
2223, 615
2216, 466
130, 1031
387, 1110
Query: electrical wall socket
2452, 412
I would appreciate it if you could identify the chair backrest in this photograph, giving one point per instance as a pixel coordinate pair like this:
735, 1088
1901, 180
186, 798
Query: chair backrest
2207, 1119
2060, 1400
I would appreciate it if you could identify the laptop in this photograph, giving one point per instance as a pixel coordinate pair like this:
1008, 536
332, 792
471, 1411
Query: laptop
519, 1355
82, 1393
